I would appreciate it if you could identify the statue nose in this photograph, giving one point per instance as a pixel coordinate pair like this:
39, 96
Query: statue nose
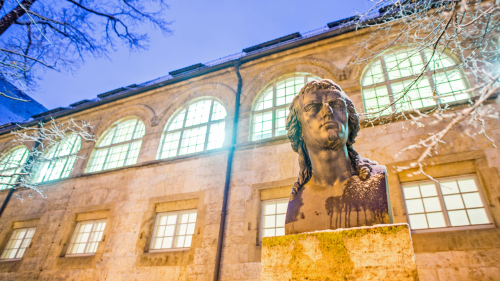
327, 110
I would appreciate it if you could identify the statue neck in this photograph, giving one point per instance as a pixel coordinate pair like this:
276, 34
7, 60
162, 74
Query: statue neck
330, 168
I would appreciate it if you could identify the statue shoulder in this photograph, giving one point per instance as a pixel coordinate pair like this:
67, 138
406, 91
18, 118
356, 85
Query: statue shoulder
379, 170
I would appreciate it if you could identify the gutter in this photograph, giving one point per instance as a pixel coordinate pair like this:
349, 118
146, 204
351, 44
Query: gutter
230, 157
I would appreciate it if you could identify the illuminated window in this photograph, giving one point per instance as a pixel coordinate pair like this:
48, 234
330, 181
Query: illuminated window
454, 202
12, 162
271, 109
86, 237
119, 146
199, 127
173, 230
388, 77
58, 161
273, 217
18, 242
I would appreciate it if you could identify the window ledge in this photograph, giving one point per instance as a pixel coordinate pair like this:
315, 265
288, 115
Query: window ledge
10, 260
168, 250
453, 228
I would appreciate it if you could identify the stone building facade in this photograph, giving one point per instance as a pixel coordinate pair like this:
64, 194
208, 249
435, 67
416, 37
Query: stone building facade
128, 198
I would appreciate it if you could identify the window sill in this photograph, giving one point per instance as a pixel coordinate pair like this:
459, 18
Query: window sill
169, 250
453, 228
10, 260
79, 255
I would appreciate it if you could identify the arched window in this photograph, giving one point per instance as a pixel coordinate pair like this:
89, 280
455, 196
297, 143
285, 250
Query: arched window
271, 109
12, 162
57, 162
388, 76
119, 146
199, 127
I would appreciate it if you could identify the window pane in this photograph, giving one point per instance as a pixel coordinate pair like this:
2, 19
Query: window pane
428, 190
198, 113
450, 86
449, 187
262, 125
374, 75
436, 220
281, 115
458, 218
216, 136
418, 221
453, 202
266, 101
270, 209
170, 145
269, 221
472, 200
124, 131
432, 204
416, 95
478, 216
193, 140
376, 99
467, 185
219, 112
411, 192
414, 206
177, 122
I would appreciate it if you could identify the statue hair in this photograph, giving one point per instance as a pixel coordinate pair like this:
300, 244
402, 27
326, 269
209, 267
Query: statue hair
294, 128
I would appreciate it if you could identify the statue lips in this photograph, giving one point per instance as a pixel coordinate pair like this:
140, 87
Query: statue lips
330, 124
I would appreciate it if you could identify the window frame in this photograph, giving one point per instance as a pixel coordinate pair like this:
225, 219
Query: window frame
262, 215
448, 226
209, 124
428, 74
274, 107
173, 249
73, 236
109, 147
55, 159
22, 240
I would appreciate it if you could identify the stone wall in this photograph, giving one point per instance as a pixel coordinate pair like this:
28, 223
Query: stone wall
128, 197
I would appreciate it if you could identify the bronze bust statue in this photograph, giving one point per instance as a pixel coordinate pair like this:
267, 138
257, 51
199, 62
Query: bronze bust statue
336, 188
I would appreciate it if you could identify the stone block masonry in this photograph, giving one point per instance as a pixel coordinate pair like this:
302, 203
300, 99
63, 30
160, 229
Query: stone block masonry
381, 252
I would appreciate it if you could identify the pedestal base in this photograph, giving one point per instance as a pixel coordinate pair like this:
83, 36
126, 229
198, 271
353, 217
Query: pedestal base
380, 252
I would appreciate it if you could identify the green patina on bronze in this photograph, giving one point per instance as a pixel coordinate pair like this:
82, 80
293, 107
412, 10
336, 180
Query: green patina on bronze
335, 256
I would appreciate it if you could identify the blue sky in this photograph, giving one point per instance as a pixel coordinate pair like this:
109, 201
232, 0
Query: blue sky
202, 31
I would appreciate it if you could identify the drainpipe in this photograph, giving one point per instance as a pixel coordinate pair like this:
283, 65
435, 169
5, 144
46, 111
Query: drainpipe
228, 172
31, 158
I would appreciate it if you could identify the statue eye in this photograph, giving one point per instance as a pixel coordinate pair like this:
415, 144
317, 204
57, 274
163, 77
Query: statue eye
337, 105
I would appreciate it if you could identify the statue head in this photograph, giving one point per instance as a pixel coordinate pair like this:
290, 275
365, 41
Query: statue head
322, 116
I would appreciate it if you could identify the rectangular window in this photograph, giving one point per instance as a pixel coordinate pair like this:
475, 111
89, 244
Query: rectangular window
273, 217
18, 242
454, 202
173, 230
86, 238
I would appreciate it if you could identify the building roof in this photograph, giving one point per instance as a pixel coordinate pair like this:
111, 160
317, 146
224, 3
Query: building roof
294, 40
16, 111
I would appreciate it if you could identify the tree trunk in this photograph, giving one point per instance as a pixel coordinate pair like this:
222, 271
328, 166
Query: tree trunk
10, 18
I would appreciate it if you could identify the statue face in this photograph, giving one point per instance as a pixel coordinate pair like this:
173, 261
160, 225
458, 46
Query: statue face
324, 119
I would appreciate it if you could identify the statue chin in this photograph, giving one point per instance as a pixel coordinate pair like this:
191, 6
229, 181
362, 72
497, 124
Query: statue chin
363, 202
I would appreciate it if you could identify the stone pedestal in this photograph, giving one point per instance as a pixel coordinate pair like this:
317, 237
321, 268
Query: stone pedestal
380, 252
